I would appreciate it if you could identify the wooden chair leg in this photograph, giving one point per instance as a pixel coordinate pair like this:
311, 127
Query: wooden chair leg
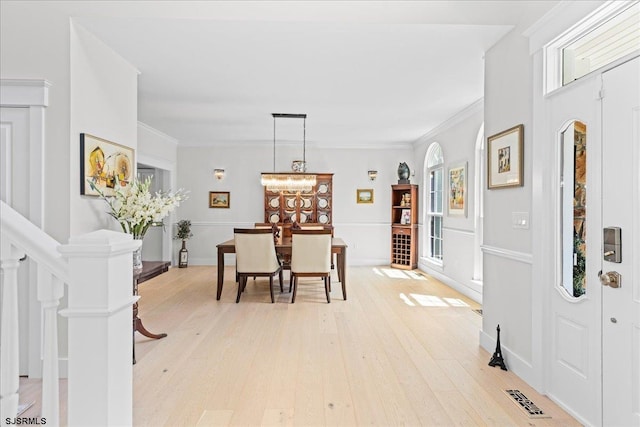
280, 278
294, 280
327, 287
240, 280
271, 289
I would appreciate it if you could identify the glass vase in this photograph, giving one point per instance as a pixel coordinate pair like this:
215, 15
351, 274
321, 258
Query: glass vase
137, 258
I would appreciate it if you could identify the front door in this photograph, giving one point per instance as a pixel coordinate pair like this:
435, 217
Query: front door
574, 311
621, 213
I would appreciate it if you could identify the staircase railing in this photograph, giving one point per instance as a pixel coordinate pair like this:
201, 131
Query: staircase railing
96, 303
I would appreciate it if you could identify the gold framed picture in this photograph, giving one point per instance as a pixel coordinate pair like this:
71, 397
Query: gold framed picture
505, 158
458, 189
364, 195
105, 164
219, 199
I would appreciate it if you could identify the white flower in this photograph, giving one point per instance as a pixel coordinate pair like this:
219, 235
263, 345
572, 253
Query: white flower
135, 208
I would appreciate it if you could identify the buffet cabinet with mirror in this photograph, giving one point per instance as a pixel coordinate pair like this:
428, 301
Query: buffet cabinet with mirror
312, 206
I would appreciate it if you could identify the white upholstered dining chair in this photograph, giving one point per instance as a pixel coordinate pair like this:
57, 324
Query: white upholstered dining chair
311, 257
256, 256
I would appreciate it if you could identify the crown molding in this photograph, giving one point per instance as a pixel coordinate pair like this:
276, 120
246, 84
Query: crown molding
159, 133
460, 116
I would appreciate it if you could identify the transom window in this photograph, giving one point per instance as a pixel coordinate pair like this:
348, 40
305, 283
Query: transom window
614, 39
611, 34
435, 175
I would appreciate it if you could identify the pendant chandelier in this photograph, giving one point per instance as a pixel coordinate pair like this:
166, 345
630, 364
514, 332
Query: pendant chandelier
290, 182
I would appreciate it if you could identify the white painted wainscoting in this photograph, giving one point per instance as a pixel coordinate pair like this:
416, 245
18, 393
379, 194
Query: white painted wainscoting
456, 269
513, 317
368, 243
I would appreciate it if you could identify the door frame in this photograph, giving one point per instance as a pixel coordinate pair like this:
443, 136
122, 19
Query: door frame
32, 95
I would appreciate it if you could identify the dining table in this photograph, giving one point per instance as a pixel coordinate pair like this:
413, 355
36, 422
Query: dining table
283, 248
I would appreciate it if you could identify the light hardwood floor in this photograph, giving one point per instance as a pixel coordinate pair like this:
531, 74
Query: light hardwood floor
402, 350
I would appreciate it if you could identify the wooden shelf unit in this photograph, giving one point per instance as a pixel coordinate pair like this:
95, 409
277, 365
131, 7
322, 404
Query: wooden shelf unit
404, 226
314, 206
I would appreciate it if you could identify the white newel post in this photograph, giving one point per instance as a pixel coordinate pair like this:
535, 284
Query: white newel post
100, 377
9, 355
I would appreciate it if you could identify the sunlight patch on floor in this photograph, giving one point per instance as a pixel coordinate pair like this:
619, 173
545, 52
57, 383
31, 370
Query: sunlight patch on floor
398, 274
456, 302
407, 300
416, 275
431, 301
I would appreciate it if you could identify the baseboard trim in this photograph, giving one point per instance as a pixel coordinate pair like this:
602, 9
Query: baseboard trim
514, 362
471, 290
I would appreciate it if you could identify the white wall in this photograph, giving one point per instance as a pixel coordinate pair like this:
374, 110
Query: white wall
457, 137
507, 279
159, 151
34, 44
104, 103
364, 227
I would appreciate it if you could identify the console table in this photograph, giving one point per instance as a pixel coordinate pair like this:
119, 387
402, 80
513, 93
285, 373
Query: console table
150, 269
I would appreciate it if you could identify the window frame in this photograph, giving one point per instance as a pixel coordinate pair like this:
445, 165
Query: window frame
435, 164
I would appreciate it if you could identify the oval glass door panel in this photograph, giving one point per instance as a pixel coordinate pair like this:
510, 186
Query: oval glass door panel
573, 190
275, 202
323, 188
322, 203
323, 218
274, 218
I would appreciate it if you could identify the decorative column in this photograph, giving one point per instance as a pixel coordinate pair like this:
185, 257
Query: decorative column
100, 384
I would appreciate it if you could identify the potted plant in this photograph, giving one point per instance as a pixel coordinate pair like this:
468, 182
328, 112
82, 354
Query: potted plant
184, 233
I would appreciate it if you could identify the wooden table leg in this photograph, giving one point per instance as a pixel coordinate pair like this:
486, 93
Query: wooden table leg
343, 271
220, 273
137, 323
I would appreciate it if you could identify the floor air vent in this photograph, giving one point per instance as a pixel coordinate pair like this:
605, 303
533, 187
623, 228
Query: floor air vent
525, 404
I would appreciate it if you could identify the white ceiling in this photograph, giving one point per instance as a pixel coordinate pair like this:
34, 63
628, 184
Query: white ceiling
365, 72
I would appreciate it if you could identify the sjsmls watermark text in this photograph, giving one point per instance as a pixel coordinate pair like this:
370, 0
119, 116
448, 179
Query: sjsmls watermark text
26, 421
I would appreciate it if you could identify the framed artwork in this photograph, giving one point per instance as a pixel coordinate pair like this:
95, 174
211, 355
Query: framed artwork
405, 216
505, 158
364, 195
105, 164
219, 199
458, 189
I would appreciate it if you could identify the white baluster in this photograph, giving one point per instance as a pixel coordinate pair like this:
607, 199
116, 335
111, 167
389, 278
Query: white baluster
9, 355
50, 290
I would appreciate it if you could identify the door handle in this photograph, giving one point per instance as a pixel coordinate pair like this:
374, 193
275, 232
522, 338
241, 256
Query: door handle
613, 279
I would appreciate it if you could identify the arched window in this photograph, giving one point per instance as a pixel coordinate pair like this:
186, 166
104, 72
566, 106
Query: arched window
434, 184
478, 205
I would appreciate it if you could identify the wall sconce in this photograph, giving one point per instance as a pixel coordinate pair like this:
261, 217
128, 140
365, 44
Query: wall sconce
218, 173
372, 175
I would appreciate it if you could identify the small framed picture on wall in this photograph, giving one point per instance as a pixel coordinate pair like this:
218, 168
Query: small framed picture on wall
505, 158
458, 189
219, 199
364, 195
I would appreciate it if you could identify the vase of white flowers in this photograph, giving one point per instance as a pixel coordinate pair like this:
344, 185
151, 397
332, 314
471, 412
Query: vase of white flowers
135, 209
